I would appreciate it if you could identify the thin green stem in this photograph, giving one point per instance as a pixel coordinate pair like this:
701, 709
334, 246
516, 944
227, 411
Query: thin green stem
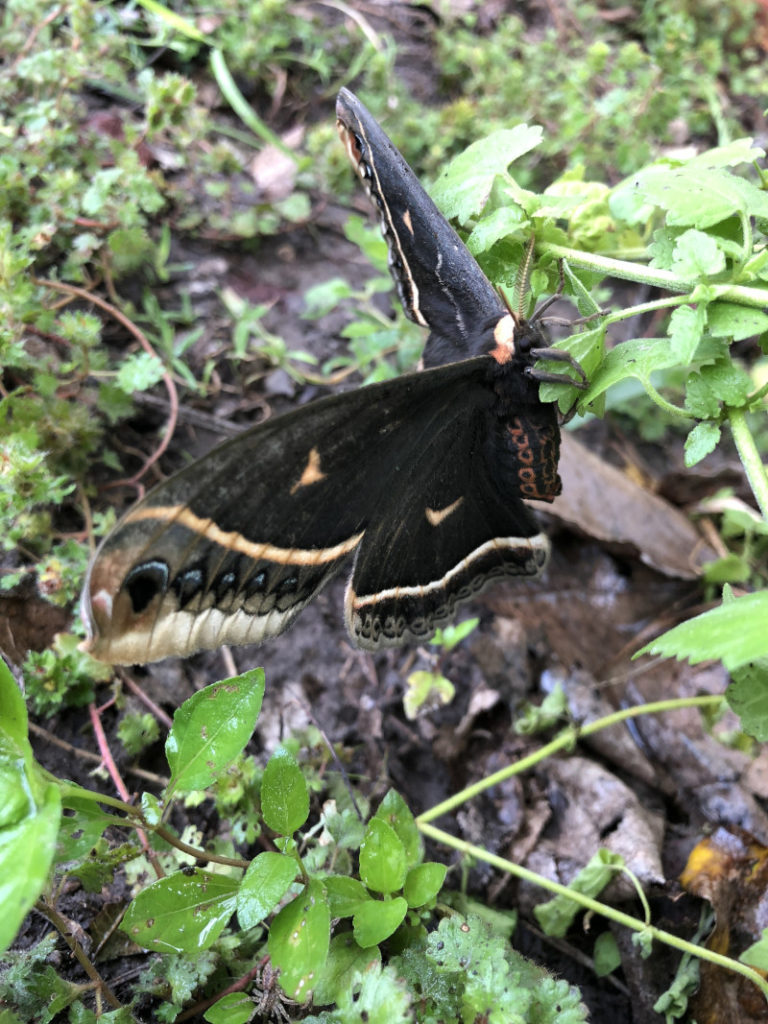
77, 793
750, 457
240, 105
645, 307
566, 739
633, 923
629, 271
662, 403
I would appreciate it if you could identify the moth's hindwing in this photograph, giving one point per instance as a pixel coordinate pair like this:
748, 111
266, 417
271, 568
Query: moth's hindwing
397, 476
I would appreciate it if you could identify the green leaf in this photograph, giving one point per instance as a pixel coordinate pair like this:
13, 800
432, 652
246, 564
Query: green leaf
211, 728
606, 955
183, 913
381, 997
423, 882
344, 894
396, 812
700, 401
376, 920
693, 196
345, 958
267, 880
555, 916
382, 858
284, 794
26, 852
638, 357
30, 812
740, 151
702, 440
730, 320
426, 691
686, 326
696, 255
139, 372
462, 190
757, 954
449, 636
504, 221
13, 720
298, 941
748, 696
735, 633
79, 834
728, 381
233, 1008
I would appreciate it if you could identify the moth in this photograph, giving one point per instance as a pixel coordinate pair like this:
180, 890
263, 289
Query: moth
418, 485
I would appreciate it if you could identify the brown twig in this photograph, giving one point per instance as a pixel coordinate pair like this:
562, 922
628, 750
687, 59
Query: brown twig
60, 924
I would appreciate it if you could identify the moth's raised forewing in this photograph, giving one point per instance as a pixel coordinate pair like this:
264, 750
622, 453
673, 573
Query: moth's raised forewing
439, 282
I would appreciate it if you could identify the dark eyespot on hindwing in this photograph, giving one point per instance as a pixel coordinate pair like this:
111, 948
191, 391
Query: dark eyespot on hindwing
144, 582
188, 584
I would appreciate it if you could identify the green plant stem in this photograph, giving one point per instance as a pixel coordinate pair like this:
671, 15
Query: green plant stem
659, 278
633, 923
567, 738
137, 818
645, 307
750, 457
240, 105
662, 403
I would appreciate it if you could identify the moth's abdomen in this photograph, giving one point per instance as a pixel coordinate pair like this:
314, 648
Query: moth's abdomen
534, 446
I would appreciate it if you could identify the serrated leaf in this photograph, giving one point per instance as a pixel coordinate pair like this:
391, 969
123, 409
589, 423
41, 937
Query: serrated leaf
697, 254
183, 913
735, 633
298, 941
730, 320
380, 998
376, 920
506, 220
396, 812
740, 151
748, 696
284, 794
701, 441
686, 326
267, 880
692, 196
699, 398
382, 858
462, 190
79, 834
139, 372
423, 882
728, 381
211, 729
